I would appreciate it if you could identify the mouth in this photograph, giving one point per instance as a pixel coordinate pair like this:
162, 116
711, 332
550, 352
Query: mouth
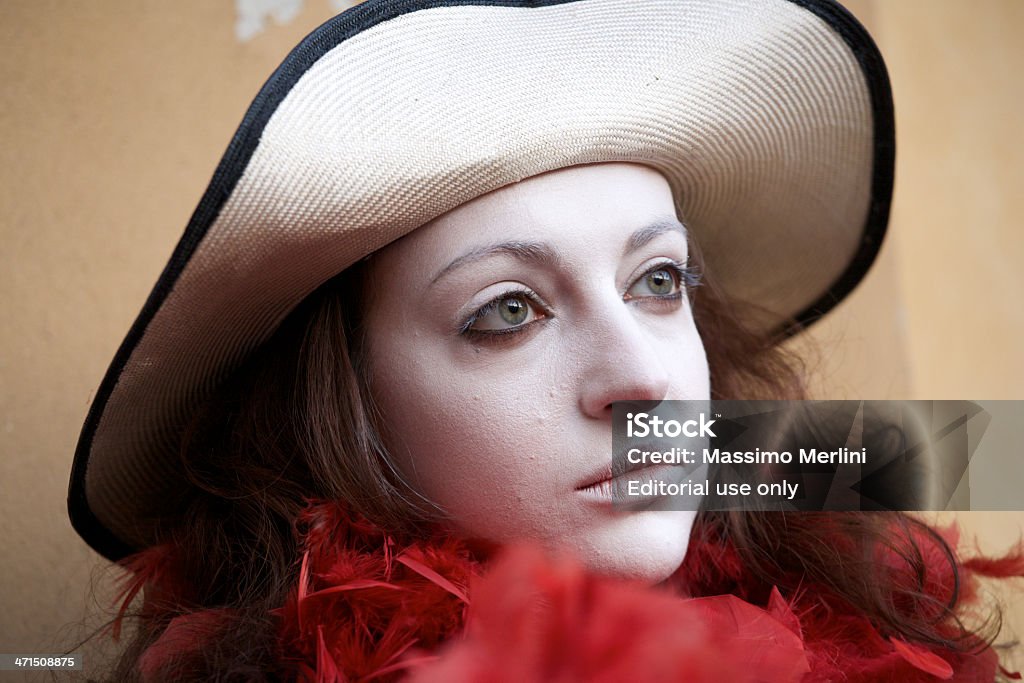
599, 486
601, 483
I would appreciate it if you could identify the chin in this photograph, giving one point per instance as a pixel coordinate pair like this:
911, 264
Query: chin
645, 546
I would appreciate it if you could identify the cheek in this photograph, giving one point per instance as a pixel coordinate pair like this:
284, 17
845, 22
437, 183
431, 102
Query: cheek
474, 443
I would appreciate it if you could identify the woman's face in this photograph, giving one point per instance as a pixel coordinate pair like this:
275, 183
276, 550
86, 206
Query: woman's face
499, 335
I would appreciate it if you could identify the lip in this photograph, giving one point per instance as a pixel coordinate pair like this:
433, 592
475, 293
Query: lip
603, 493
604, 474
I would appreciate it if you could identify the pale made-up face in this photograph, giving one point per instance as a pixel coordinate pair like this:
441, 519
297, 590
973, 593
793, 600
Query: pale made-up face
498, 337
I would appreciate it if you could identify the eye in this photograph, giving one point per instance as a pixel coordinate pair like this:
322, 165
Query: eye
663, 281
513, 310
660, 282
507, 313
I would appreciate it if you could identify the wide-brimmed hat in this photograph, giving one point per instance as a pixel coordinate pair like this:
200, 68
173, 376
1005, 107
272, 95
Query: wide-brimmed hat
770, 119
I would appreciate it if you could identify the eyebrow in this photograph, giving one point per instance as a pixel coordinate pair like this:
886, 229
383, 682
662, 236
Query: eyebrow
647, 233
541, 254
531, 252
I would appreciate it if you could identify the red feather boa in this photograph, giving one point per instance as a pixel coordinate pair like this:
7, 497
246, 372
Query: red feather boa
366, 609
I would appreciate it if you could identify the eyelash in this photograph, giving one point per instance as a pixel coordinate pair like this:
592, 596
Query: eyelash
467, 327
688, 277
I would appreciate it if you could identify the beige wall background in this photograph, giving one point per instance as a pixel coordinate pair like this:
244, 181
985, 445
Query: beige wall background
113, 116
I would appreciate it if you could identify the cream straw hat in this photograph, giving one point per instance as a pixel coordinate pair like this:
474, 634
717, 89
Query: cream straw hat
771, 120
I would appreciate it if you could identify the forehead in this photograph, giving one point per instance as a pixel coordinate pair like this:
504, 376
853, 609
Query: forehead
580, 207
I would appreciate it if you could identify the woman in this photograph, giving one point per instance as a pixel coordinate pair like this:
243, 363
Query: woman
360, 429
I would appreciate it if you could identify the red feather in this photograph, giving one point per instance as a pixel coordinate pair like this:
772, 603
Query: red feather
363, 612
368, 607
326, 669
1011, 564
155, 570
535, 620
429, 574
184, 635
925, 661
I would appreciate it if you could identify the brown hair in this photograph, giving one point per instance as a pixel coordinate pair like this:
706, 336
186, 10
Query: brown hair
297, 421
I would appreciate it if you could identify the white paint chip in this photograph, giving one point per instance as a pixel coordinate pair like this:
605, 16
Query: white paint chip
251, 15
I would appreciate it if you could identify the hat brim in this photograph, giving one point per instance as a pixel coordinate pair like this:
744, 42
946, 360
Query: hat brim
771, 120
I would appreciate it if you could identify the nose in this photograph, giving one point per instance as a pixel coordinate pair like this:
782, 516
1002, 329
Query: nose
622, 364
